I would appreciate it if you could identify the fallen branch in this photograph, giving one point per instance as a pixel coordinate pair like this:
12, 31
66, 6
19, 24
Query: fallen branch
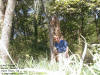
3, 47
85, 48
83, 55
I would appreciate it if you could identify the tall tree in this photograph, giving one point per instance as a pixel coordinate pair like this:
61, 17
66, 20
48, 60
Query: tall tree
1, 14
50, 27
6, 29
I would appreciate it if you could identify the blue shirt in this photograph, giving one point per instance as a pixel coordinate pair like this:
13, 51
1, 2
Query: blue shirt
61, 46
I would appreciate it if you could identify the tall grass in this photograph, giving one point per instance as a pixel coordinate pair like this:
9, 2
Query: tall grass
71, 66
74, 65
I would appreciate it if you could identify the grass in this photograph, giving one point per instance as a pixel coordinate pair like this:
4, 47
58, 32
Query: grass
72, 66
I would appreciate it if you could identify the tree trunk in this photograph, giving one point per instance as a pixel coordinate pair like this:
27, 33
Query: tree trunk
51, 40
97, 28
1, 15
35, 31
6, 30
79, 39
50, 31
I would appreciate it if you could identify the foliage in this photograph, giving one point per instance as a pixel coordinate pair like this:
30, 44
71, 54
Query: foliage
29, 42
76, 17
30, 25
